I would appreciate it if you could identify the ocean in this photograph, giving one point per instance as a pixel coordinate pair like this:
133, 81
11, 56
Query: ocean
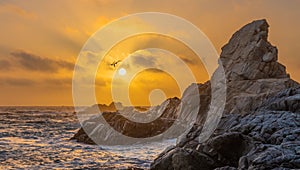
38, 138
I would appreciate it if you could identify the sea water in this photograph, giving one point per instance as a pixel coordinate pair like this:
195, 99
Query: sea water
38, 138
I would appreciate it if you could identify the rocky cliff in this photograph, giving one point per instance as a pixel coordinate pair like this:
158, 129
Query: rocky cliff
251, 68
260, 127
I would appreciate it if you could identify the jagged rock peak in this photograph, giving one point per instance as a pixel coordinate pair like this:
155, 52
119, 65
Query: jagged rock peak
249, 56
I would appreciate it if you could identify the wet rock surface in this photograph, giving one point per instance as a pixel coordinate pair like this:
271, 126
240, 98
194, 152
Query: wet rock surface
260, 126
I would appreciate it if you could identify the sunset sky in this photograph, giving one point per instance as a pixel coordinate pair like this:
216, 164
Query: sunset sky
40, 40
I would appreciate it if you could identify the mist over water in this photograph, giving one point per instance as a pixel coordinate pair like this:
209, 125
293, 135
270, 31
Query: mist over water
38, 138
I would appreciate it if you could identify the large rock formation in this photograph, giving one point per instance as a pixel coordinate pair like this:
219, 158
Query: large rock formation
266, 139
249, 55
260, 126
251, 68
261, 122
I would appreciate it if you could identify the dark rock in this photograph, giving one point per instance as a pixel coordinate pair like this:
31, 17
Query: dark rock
251, 68
144, 130
249, 55
255, 142
287, 100
94, 129
82, 137
260, 127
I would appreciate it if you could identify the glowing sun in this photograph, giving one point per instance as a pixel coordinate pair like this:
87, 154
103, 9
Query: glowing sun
122, 71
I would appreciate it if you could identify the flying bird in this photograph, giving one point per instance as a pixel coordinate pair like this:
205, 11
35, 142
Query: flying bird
115, 63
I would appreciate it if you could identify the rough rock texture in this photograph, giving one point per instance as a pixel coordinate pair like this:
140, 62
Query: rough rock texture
106, 127
267, 139
249, 55
260, 127
251, 68
94, 126
128, 125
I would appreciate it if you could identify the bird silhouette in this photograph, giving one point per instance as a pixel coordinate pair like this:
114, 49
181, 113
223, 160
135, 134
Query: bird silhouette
115, 63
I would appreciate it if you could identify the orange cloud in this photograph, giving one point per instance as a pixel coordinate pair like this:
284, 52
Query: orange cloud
57, 31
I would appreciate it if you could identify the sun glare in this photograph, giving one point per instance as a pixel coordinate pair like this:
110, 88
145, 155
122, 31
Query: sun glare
122, 71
